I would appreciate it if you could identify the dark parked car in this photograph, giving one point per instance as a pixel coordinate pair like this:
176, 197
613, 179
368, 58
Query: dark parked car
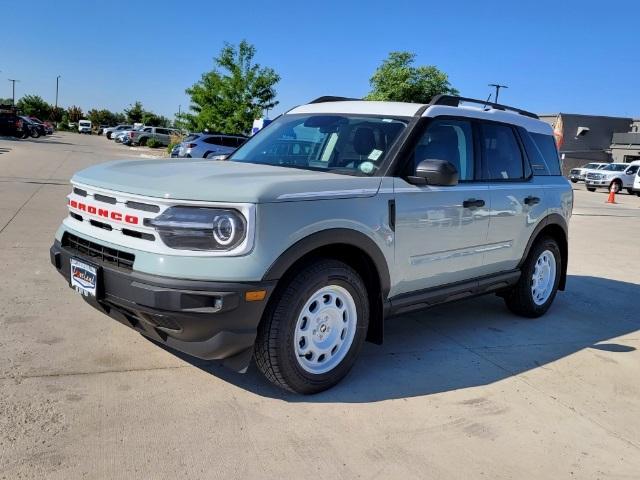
10, 123
48, 128
33, 128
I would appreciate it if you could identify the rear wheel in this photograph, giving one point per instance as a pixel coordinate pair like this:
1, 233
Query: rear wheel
573, 180
630, 191
535, 291
143, 141
35, 133
313, 330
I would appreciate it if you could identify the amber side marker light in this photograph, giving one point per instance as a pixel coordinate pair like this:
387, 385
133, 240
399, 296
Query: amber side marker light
255, 295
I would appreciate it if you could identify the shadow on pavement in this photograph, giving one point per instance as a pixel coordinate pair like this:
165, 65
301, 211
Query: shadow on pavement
467, 344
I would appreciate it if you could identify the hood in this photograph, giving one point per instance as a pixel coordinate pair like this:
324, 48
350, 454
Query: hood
223, 181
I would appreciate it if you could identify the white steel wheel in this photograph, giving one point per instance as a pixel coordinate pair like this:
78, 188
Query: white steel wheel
325, 329
544, 277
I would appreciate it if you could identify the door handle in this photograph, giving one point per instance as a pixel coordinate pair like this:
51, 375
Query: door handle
531, 200
473, 203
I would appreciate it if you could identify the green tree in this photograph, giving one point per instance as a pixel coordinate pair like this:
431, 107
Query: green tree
135, 112
105, 117
75, 113
397, 79
34, 106
6, 101
229, 97
154, 120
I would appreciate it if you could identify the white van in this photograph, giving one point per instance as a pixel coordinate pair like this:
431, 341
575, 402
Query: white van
84, 126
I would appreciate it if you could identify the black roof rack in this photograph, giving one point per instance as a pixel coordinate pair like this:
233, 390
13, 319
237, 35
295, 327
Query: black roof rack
454, 101
330, 98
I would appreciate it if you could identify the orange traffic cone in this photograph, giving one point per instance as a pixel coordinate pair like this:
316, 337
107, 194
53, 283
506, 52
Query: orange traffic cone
612, 195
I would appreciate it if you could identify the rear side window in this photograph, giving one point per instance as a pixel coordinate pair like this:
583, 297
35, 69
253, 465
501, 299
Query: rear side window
542, 153
501, 154
213, 141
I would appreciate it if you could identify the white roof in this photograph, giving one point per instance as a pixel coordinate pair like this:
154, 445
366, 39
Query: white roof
531, 124
393, 109
402, 109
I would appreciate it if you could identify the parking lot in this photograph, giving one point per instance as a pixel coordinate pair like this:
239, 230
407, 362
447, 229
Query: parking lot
465, 390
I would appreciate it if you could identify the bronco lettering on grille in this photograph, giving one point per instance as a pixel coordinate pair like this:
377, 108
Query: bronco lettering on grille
101, 212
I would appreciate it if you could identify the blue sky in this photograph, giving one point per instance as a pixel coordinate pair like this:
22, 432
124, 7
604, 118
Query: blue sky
571, 56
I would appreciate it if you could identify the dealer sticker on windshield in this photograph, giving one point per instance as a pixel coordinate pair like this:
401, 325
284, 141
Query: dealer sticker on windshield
84, 278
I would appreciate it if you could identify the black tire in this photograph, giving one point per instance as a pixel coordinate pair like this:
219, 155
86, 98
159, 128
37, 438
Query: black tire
520, 298
630, 191
591, 189
108, 135
617, 185
143, 142
35, 133
638, 194
574, 181
275, 353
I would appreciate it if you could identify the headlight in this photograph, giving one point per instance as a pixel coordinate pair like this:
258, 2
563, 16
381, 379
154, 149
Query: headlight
200, 228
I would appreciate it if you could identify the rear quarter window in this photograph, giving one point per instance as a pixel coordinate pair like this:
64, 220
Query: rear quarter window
542, 153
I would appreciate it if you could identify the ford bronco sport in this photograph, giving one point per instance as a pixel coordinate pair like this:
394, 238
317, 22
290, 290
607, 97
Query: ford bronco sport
295, 256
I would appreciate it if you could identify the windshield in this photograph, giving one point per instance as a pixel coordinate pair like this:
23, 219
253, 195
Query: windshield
346, 144
591, 165
615, 167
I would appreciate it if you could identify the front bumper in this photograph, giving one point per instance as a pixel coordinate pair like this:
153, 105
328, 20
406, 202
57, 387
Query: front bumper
576, 176
597, 183
209, 320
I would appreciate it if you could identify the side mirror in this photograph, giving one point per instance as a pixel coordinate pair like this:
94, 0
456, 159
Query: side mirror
435, 172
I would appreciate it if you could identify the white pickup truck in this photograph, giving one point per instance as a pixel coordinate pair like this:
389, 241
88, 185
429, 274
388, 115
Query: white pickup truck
614, 176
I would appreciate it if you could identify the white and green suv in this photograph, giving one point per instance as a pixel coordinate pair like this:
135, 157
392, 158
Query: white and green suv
338, 215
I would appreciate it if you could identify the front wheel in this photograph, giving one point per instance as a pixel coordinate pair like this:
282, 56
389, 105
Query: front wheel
591, 189
630, 191
143, 142
535, 291
573, 180
313, 330
35, 133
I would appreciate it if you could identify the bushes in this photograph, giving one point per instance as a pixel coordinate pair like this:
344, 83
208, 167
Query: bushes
153, 143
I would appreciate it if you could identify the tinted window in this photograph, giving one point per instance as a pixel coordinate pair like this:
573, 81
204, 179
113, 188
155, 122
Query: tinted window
502, 158
542, 153
239, 141
450, 140
162, 131
615, 167
212, 140
631, 170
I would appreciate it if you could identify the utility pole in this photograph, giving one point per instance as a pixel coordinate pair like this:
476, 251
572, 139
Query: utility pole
13, 95
57, 79
497, 87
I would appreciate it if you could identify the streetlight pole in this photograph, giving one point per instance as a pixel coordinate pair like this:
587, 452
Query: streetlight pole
13, 94
497, 87
57, 79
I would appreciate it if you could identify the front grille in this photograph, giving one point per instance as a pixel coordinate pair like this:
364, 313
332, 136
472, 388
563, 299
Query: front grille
98, 253
575, 171
594, 176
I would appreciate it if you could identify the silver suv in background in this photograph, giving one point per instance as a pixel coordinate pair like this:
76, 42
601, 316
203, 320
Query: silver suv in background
202, 145
108, 132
